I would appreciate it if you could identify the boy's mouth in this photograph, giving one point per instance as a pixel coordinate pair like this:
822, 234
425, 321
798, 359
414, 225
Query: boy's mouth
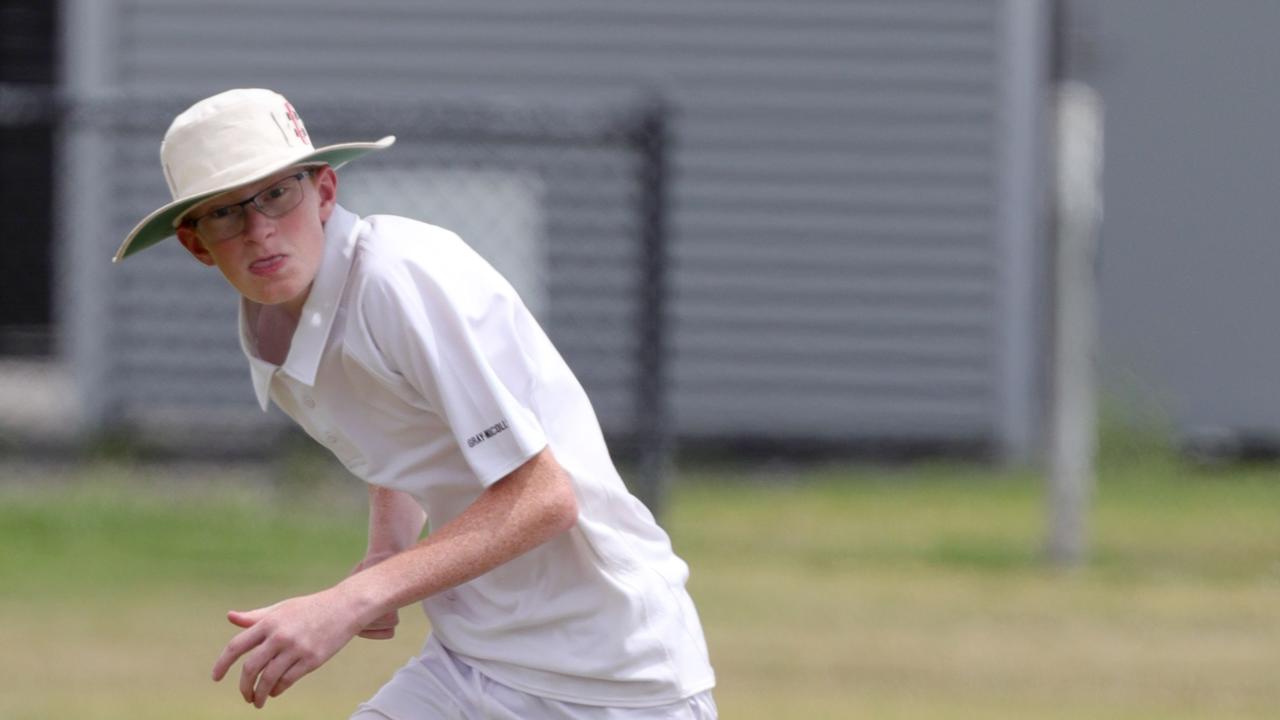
267, 265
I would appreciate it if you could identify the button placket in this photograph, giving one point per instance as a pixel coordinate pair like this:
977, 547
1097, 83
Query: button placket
314, 423
317, 424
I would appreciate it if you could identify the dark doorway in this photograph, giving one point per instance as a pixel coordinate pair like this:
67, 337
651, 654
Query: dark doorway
27, 75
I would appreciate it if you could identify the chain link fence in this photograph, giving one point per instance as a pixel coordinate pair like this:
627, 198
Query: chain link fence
568, 203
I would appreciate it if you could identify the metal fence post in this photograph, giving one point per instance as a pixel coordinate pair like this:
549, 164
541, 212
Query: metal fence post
654, 433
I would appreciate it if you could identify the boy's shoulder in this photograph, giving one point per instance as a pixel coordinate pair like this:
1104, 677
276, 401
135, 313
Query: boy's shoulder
392, 243
402, 251
392, 236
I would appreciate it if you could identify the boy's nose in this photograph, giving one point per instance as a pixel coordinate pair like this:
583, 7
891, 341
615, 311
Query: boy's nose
256, 225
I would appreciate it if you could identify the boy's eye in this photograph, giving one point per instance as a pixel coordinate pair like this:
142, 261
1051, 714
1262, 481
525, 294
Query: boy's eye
223, 212
277, 192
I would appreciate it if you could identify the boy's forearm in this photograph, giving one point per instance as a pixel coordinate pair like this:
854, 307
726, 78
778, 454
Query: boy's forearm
525, 509
395, 521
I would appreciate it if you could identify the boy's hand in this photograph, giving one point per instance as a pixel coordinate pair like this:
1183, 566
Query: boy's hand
285, 641
384, 628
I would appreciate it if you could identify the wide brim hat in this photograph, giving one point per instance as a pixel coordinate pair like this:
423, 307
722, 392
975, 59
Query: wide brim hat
234, 138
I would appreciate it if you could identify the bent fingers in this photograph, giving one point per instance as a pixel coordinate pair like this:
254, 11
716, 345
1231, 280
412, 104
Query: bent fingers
239, 645
291, 676
270, 677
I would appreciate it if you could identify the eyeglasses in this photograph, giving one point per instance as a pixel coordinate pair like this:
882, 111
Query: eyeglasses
227, 222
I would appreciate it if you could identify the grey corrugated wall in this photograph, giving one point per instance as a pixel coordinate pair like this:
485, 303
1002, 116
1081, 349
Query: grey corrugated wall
1189, 255
846, 266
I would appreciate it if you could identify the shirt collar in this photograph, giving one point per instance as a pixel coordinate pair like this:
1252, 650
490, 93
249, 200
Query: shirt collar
307, 345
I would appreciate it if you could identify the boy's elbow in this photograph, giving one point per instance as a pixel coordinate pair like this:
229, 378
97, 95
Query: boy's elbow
559, 498
551, 502
562, 511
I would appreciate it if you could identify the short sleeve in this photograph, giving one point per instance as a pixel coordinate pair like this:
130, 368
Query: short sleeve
452, 333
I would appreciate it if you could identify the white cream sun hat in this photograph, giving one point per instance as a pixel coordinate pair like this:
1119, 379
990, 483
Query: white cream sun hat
231, 139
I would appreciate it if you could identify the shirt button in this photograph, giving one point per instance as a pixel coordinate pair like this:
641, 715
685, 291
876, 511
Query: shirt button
330, 439
309, 401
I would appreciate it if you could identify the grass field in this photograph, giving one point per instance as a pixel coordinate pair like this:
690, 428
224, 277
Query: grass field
826, 592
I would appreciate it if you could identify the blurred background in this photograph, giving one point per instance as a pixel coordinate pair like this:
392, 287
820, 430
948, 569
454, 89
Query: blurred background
938, 435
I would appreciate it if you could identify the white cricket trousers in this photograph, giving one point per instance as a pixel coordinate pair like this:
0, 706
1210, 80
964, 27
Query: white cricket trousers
437, 685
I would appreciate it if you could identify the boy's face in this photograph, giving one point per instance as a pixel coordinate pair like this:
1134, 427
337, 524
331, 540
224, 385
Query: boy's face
273, 260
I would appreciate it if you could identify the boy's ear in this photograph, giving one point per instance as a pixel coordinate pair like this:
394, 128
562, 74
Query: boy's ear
191, 241
327, 187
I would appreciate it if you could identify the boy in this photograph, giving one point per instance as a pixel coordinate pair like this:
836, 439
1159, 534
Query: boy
550, 590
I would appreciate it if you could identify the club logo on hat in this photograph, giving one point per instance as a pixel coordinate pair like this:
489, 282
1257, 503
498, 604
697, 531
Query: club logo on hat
298, 128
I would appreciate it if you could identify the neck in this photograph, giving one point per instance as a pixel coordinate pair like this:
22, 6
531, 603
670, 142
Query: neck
274, 333
292, 309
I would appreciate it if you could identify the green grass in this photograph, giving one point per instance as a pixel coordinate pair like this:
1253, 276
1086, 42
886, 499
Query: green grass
827, 592
920, 594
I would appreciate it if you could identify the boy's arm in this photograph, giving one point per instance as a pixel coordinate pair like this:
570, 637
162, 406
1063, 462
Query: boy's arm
395, 523
285, 641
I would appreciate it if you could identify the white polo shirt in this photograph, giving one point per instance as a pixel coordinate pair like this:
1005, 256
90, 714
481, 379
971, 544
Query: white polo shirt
417, 364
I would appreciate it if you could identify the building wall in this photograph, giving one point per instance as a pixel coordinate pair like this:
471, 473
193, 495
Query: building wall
1190, 254
855, 228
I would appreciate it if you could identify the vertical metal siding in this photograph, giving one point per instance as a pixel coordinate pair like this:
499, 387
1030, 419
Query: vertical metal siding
838, 270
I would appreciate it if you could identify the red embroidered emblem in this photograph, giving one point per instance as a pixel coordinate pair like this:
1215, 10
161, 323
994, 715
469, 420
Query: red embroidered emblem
298, 129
